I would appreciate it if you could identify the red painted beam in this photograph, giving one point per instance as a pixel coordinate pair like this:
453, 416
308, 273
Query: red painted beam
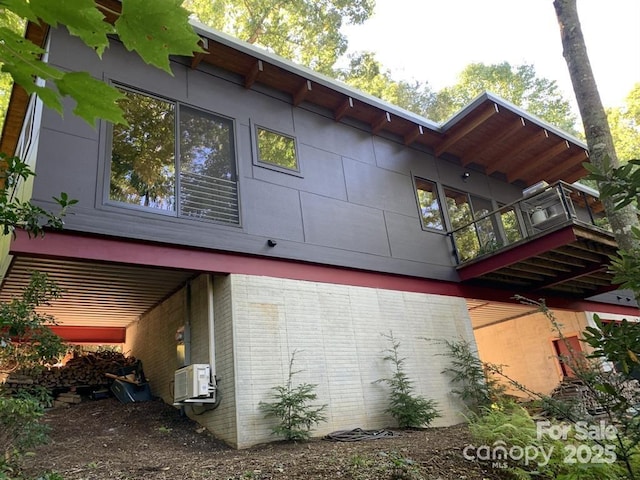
516, 254
73, 246
102, 335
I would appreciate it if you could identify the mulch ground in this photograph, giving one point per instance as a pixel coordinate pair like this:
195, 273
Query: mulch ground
105, 439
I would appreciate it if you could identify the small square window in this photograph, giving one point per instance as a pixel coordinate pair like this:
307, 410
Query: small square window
277, 149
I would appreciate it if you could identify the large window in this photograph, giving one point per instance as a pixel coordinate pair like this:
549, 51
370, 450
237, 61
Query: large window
461, 210
175, 159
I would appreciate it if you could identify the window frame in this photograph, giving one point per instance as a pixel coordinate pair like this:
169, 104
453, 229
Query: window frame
108, 202
438, 194
272, 166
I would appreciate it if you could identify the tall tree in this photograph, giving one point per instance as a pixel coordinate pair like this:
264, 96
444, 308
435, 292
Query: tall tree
625, 126
305, 31
367, 74
517, 84
602, 153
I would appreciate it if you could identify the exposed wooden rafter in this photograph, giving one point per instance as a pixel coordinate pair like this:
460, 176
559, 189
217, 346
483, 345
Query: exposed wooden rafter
574, 275
548, 155
252, 75
413, 134
577, 159
453, 139
378, 124
197, 58
301, 94
507, 156
471, 154
342, 110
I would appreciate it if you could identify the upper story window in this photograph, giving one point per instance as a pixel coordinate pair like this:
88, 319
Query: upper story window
460, 210
276, 149
429, 203
175, 159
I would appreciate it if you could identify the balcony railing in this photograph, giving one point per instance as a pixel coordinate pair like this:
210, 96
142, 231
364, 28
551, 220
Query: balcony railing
542, 210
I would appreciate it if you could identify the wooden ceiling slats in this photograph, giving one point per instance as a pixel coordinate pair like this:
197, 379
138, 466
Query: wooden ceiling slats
452, 138
516, 126
549, 154
577, 157
506, 157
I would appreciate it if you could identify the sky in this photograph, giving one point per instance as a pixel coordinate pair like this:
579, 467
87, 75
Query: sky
434, 40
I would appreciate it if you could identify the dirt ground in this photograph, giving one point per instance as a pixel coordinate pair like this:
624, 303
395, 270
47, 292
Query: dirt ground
105, 439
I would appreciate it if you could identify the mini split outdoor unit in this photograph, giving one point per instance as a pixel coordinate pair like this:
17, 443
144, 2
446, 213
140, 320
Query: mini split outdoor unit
192, 382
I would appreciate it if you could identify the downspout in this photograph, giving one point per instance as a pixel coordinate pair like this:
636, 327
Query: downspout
187, 326
212, 346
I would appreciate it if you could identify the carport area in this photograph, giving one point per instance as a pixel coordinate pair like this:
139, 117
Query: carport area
99, 299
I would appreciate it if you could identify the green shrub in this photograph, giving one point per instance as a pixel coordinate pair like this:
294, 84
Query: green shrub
20, 427
408, 409
475, 386
510, 429
291, 407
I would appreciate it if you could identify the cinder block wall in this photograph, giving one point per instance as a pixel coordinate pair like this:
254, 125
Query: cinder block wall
336, 332
152, 339
221, 421
524, 346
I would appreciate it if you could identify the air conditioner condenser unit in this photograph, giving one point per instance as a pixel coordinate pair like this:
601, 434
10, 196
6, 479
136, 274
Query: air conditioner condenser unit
192, 382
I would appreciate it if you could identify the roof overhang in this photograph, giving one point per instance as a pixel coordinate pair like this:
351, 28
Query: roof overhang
490, 134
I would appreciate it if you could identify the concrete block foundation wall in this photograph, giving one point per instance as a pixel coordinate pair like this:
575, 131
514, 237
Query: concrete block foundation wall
336, 332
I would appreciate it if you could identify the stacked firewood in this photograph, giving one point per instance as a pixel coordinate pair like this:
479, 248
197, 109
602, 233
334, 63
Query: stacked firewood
83, 370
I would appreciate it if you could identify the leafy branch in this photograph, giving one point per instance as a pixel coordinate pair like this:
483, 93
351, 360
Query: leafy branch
154, 30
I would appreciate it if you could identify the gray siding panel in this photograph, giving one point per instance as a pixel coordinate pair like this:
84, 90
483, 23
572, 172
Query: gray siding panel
344, 225
272, 211
410, 242
67, 163
320, 172
326, 134
379, 188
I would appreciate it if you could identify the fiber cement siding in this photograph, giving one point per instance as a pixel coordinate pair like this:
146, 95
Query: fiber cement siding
340, 209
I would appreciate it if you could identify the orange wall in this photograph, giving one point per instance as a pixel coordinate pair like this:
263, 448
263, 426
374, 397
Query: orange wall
525, 347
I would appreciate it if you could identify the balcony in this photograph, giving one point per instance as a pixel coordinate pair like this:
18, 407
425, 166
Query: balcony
553, 241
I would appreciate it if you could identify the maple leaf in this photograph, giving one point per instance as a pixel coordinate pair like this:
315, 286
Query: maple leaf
21, 59
81, 17
156, 30
94, 98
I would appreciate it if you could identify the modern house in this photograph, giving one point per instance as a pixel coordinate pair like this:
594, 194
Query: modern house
253, 208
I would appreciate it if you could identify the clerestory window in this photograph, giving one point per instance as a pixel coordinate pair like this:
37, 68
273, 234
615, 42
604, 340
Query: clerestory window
174, 159
277, 150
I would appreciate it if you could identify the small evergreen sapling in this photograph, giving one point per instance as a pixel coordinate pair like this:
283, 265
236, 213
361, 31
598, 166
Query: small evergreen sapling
408, 409
291, 407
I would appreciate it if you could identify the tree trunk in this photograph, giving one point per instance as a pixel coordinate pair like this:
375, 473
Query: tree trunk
594, 118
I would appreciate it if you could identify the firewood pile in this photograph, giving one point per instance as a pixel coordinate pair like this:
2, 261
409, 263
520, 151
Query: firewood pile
84, 370
574, 392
